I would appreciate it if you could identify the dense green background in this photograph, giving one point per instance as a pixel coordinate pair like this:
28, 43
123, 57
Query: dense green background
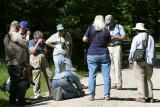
77, 15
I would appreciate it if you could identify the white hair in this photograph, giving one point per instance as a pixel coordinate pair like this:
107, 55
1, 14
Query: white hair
14, 25
99, 23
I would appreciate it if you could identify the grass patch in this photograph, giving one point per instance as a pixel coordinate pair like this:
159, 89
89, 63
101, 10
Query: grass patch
4, 76
4, 96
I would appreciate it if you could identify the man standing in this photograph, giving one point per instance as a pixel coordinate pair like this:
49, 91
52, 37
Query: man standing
39, 63
24, 30
61, 42
117, 35
142, 68
16, 57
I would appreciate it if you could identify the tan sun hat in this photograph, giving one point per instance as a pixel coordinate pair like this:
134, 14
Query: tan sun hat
139, 26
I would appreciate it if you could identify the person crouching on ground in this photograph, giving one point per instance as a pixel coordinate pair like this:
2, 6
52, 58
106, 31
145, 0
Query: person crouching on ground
66, 85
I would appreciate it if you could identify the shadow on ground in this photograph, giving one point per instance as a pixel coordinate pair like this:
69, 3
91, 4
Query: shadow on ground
36, 102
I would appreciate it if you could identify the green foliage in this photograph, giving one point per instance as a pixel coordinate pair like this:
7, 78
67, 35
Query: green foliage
77, 15
4, 76
39, 13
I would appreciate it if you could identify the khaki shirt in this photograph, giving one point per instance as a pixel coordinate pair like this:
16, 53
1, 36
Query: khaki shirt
15, 48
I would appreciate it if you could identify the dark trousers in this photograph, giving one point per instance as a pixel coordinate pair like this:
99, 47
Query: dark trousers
19, 84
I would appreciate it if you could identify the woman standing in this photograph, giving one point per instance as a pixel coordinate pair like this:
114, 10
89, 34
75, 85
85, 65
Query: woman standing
98, 55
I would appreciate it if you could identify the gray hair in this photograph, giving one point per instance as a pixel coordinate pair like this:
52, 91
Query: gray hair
99, 23
38, 34
14, 24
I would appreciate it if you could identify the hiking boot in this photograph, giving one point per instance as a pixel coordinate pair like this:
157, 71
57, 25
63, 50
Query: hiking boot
91, 98
57, 94
142, 100
150, 100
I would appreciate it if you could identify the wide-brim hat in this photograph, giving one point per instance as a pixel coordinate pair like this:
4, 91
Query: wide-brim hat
139, 26
60, 27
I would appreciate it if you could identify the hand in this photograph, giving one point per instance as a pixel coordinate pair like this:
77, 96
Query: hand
28, 33
41, 40
115, 38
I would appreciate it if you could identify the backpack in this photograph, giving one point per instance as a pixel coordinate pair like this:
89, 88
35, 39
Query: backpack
140, 54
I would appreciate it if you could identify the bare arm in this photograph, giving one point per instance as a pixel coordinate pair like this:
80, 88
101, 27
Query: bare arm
119, 38
50, 45
33, 50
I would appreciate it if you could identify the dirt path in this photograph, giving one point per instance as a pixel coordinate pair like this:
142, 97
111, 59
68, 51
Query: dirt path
119, 98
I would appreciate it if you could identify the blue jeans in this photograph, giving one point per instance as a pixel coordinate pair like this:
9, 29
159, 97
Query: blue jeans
103, 61
69, 90
61, 60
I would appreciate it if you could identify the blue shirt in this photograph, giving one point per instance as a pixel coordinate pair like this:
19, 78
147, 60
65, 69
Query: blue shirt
32, 43
98, 41
118, 30
73, 78
137, 44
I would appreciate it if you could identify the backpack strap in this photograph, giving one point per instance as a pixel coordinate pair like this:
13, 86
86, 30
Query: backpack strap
92, 35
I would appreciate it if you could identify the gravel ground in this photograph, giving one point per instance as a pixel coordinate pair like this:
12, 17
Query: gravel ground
119, 98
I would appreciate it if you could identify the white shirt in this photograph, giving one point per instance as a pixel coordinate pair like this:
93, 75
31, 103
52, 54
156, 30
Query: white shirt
137, 44
58, 40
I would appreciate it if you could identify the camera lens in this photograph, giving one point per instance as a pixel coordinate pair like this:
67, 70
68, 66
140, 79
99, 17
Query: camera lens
63, 45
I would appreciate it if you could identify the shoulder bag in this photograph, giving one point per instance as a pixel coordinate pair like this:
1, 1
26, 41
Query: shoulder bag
140, 54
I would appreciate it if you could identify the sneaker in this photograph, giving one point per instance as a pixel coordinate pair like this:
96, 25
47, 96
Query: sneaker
150, 100
119, 87
142, 100
91, 98
106, 98
113, 87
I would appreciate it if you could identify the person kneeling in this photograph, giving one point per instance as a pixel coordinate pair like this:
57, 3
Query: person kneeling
66, 85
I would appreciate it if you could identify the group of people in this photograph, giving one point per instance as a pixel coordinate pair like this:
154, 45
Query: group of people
26, 59
105, 54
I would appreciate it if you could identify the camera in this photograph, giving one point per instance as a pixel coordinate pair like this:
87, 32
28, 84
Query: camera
43, 42
63, 45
